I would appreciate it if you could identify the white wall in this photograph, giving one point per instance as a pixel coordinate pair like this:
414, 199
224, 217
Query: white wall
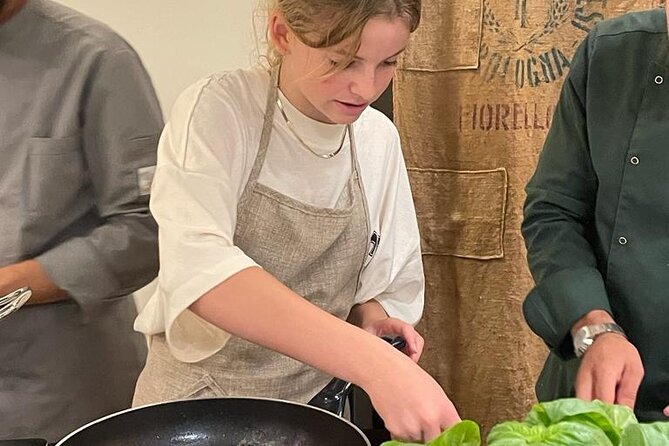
180, 41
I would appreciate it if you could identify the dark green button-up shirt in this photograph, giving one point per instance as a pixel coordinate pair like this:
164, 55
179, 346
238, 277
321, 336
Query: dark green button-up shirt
597, 212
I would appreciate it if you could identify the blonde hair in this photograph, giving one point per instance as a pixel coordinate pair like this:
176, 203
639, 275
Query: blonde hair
325, 23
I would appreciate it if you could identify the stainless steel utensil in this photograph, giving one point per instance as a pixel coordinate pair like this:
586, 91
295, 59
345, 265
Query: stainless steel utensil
13, 301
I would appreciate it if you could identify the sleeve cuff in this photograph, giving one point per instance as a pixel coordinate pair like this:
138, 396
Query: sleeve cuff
409, 312
189, 337
87, 282
558, 302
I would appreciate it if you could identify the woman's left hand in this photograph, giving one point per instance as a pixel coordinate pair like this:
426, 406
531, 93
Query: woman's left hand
391, 326
371, 317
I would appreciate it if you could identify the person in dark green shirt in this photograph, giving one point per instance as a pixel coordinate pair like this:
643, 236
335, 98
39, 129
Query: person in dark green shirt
597, 223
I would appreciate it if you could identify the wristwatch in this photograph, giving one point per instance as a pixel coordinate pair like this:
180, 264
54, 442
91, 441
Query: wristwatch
586, 335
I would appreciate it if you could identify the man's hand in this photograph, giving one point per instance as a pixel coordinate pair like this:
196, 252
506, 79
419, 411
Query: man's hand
31, 274
611, 371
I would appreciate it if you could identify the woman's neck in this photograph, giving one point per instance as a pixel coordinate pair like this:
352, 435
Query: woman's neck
288, 87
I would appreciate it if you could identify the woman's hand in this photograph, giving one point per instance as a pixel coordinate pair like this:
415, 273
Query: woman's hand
371, 317
391, 326
412, 404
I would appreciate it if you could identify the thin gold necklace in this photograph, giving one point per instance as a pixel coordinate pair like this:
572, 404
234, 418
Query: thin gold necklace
304, 144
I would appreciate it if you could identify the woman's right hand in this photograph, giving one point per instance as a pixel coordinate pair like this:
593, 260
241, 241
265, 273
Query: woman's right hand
412, 404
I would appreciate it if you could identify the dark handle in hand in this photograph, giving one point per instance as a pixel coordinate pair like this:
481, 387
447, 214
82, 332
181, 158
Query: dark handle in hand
333, 396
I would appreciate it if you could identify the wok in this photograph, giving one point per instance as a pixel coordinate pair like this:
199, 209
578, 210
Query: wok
228, 422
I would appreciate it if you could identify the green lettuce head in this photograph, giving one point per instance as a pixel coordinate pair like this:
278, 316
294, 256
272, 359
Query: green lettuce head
651, 434
565, 433
611, 419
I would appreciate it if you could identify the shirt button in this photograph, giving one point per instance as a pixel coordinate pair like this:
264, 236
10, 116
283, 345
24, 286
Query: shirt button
622, 240
634, 160
659, 80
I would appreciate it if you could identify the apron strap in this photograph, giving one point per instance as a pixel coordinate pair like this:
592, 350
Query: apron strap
270, 107
268, 122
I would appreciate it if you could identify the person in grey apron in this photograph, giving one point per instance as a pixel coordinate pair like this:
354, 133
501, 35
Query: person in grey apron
79, 124
262, 306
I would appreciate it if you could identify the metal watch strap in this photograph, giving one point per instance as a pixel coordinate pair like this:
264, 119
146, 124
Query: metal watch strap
585, 336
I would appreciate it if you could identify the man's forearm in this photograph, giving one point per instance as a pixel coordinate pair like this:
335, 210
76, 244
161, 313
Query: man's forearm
30, 273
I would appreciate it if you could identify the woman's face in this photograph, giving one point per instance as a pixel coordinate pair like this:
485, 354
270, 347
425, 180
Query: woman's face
340, 97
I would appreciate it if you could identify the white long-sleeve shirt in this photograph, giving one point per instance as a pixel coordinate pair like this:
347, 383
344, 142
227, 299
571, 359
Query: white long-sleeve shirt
205, 156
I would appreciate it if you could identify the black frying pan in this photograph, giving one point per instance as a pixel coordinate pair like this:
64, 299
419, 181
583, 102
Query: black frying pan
227, 422
24, 442
220, 422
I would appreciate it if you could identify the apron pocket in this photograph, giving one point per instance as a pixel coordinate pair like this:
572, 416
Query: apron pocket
164, 378
461, 213
449, 37
206, 387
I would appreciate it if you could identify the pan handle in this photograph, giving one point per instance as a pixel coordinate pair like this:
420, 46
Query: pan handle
333, 396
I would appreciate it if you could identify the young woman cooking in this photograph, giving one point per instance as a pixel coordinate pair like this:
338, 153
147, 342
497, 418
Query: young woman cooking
288, 237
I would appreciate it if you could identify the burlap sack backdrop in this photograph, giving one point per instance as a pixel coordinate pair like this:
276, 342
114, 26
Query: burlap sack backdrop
474, 97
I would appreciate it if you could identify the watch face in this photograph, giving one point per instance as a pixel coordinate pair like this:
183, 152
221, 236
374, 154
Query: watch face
585, 336
582, 340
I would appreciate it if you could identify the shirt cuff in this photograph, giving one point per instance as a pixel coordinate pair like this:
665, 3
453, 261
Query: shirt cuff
87, 282
189, 337
409, 312
558, 302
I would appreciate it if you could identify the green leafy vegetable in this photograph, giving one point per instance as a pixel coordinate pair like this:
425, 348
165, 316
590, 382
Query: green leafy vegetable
465, 433
564, 422
565, 433
621, 416
611, 419
652, 434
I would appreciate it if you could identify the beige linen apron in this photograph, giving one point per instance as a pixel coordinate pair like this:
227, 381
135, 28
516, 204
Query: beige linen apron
316, 252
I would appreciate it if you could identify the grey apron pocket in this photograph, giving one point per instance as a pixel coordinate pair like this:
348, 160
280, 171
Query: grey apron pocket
449, 37
461, 213
55, 175
165, 378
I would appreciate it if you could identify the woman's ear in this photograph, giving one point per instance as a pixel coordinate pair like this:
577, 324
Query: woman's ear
280, 34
